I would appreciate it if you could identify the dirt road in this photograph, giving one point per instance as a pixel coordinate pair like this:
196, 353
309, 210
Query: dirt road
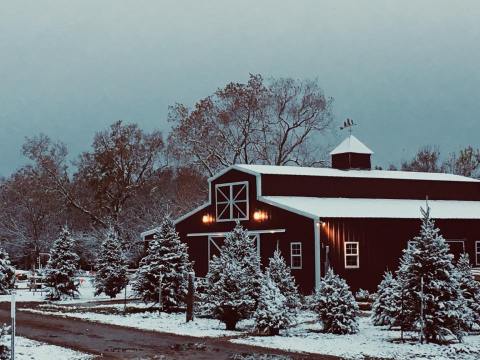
116, 342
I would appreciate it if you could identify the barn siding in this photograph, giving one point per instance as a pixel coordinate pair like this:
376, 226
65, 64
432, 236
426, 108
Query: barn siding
281, 185
381, 242
297, 229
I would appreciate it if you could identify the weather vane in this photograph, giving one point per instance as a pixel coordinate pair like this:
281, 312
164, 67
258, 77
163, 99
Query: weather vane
348, 124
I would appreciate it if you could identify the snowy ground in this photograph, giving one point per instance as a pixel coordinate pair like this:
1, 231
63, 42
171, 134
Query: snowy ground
370, 341
86, 290
26, 349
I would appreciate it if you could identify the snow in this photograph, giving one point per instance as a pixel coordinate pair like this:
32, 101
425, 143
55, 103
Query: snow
86, 294
26, 349
329, 172
351, 145
370, 341
375, 208
164, 322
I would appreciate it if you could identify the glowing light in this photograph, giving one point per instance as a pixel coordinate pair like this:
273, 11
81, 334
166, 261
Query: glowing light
260, 215
207, 219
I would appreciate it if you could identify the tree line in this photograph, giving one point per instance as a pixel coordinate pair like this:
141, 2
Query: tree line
128, 179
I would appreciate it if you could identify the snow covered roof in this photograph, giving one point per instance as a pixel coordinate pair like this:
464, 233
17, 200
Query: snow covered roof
351, 145
374, 208
372, 174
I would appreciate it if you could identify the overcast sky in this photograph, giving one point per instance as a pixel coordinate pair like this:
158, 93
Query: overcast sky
407, 71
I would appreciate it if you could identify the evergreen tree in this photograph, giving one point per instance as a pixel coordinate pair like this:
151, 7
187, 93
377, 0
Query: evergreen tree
387, 301
336, 305
233, 281
7, 273
272, 313
62, 268
111, 276
281, 275
167, 257
470, 289
444, 309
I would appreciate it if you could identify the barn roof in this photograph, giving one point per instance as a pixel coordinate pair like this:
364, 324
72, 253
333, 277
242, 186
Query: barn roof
351, 145
329, 172
374, 208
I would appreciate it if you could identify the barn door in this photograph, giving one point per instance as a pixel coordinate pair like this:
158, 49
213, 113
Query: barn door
457, 247
215, 244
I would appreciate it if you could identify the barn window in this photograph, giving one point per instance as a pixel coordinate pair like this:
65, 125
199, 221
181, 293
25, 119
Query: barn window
477, 252
232, 201
352, 258
296, 255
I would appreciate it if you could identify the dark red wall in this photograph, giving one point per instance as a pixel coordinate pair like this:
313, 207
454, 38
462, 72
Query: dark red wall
289, 185
298, 229
381, 243
347, 161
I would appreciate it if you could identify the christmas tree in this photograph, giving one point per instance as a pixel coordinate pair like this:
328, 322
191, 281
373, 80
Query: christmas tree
281, 275
233, 281
430, 286
470, 290
272, 313
167, 265
111, 276
62, 268
335, 305
7, 273
387, 300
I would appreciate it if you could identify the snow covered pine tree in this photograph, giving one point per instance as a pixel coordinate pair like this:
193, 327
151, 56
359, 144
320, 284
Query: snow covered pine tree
7, 273
444, 307
233, 281
167, 257
387, 300
272, 313
470, 289
335, 305
62, 268
111, 276
281, 275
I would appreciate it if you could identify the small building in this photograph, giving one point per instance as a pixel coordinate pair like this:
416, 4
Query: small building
348, 217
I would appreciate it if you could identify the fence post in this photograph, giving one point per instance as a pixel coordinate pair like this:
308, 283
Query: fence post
190, 296
12, 338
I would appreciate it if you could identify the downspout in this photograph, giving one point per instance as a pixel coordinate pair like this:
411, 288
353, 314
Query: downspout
316, 230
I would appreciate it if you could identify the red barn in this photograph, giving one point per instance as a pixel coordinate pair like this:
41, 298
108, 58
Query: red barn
350, 217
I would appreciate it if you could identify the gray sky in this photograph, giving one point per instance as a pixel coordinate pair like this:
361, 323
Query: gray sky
407, 71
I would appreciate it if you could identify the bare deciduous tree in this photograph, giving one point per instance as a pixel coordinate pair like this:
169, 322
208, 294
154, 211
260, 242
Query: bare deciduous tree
276, 122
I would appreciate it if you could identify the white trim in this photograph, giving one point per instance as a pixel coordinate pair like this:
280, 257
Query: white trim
316, 229
296, 255
477, 252
230, 203
357, 254
288, 208
183, 217
252, 236
232, 167
272, 231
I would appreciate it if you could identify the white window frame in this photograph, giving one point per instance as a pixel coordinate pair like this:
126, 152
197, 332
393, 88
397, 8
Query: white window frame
211, 242
477, 252
357, 254
292, 255
231, 202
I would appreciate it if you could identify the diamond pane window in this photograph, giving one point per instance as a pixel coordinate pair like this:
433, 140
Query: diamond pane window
232, 201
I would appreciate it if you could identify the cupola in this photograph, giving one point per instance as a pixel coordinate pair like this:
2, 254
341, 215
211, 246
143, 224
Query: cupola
351, 154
